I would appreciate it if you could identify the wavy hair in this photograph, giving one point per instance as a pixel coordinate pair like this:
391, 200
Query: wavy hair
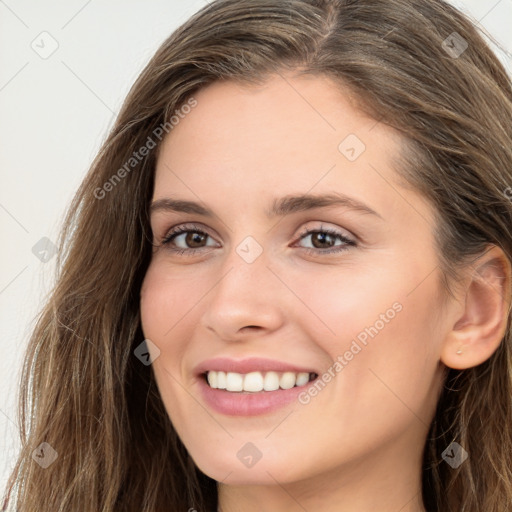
82, 389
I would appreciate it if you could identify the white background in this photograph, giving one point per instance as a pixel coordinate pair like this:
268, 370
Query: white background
54, 114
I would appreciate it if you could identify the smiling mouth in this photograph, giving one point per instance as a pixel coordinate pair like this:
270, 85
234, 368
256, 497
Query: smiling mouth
255, 382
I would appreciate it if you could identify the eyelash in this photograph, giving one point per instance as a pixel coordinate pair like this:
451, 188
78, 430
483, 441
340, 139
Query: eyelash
195, 229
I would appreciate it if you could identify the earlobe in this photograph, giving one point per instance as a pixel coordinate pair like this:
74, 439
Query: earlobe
478, 332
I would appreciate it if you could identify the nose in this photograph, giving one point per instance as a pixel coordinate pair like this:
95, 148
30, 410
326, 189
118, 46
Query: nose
247, 299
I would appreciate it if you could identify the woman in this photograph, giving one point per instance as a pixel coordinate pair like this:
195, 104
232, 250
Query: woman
204, 350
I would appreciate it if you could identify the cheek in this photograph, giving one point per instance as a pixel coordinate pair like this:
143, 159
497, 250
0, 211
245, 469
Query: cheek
166, 305
389, 348
379, 305
386, 382
166, 300
383, 334
166, 308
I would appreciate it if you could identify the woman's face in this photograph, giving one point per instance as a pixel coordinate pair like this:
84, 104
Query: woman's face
355, 301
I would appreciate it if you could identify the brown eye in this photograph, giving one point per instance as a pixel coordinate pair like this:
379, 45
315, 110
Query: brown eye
194, 238
322, 240
187, 239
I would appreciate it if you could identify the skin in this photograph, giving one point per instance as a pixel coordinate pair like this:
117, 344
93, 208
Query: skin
357, 445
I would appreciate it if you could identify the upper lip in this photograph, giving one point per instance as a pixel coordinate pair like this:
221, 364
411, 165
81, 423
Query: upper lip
250, 364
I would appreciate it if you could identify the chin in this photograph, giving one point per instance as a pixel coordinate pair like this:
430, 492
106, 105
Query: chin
231, 471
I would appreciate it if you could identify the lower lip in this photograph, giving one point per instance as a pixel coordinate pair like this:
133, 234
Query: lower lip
248, 404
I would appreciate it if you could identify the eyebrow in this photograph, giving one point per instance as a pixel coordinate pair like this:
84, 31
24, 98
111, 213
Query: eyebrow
280, 207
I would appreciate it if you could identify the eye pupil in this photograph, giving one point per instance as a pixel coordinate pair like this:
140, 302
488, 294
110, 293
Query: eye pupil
322, 237
194, 237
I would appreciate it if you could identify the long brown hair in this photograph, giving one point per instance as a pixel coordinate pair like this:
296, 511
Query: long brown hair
419, 66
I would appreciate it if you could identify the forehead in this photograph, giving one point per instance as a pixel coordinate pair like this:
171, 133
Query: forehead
245, 144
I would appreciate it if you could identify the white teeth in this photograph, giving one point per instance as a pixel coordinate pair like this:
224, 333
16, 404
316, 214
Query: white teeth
253, 382
271, 382
256, 381
302, 378
287, 380
234, 381
212, 379
221, 379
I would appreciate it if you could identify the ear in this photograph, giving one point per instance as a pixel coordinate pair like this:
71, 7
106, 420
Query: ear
478, 332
